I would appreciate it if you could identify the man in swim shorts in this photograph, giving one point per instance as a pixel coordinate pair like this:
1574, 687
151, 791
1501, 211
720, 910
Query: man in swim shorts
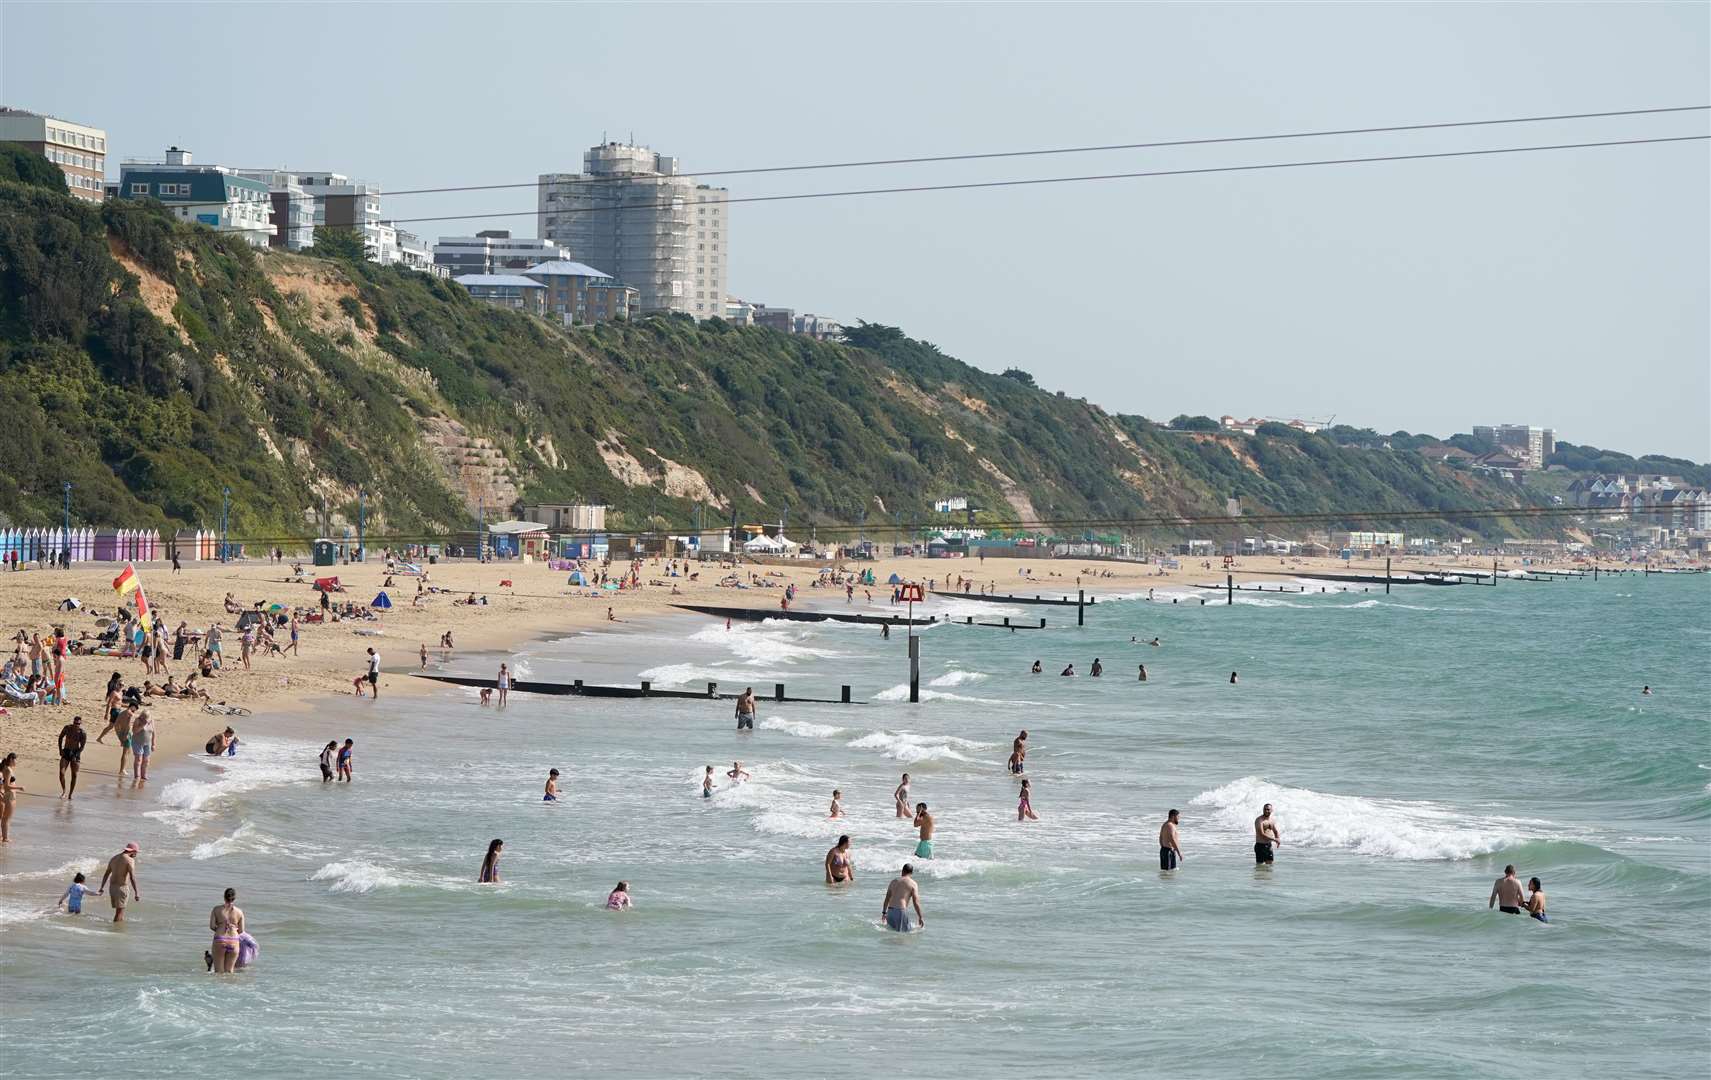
840, 868
746, 709
1169, 846
121, 874
72, 738
900, 895
924, 849
1507, 895
373, 674
1018, 751
1266, 836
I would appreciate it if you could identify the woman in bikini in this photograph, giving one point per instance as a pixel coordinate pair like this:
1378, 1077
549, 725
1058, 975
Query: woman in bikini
9, 788
1024, 808
840, 869
227, 923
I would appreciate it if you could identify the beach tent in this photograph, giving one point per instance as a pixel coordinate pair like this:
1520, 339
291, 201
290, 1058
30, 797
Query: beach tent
577, 577
762, 543
894, 580
249, 619
381, 601
328, 584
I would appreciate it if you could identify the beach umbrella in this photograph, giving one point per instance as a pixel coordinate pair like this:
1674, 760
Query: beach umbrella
381, 601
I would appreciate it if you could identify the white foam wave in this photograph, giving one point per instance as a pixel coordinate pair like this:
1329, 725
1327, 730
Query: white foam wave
359, 876
15, 912
909, 747
686, 674
793, 823
900, 692
763, 643
245, 839
802, 729
63, 870
958, 678
1386, 828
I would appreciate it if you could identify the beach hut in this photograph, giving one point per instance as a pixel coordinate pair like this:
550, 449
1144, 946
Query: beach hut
106, 547
382, 602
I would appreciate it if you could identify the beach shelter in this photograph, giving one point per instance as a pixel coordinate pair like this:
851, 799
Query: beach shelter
248, 619
894, 580
328, 584
577, 577
382, 602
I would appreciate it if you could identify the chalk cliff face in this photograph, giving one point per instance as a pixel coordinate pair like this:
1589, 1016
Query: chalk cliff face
154, 364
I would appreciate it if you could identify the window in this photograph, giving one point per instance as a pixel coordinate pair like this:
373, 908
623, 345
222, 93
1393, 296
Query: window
139, 189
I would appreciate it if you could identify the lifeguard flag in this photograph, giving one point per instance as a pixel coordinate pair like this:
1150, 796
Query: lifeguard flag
126, 581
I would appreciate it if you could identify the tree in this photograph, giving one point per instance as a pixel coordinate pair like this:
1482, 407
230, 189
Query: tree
1194, 423
1019, 375
339, 242
21, 165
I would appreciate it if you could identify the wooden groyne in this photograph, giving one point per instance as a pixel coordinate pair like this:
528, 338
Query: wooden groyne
579, 688
1082, 600
745, 614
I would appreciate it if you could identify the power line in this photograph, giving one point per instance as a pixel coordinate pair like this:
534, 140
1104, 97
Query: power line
1037, 181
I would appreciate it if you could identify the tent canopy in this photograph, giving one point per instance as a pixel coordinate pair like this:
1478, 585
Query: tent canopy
894, 580
578, 578
381, 600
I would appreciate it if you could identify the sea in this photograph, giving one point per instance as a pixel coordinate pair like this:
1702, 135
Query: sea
1412, 744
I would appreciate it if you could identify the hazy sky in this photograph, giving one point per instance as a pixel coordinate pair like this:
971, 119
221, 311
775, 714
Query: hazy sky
1567, 289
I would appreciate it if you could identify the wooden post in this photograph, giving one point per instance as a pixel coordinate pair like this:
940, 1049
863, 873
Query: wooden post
914, 671
846, 695
1006, 620
1081, 607
579, 686
778, 691
969, 621
647, 688
712, 689
1042, 623
1229, 589
1387, 575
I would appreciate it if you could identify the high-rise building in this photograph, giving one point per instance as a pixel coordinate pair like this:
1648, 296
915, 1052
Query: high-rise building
494, 251
79, 151
211, 195
631, 213
1532, 446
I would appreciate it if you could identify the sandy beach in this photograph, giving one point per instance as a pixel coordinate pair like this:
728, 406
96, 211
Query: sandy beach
538, 600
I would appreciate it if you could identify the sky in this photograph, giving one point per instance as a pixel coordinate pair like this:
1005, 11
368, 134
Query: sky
1568, 289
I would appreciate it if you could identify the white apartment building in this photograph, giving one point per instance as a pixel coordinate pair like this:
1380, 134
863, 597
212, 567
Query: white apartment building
78, 150
293, 213
210, 195
495, 251
632, 214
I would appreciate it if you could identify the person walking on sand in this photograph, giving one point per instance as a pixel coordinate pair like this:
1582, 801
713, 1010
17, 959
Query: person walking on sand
1019, 752
901, 798
900, 895
924, 821
502, 683
328, 752
345, 752
120, 881
292, 648
1266, 837
1169, 843
840, 866
1024, 805
490, 864
746, 709
120, 726
373, 674
1506, 894
551, 792
72, 739
423, 652
227, 923
9, 788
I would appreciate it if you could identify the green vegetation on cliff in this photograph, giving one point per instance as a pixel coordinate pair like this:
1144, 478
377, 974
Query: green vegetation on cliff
153, 364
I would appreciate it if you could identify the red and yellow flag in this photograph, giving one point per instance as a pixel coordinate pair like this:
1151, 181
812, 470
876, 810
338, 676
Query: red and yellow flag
128, 582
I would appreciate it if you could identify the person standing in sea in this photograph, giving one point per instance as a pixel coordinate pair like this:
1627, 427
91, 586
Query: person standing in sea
490, 864
1507, 895
502, 683
746, 709
1266, 837
840, 868
924, 821
72, 739
900, 895
9, 788
121, 875
227, 923
901, 797
374, 674
1169, 843
1019, 752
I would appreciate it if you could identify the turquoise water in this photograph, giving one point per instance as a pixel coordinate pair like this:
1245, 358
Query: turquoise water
1412, 745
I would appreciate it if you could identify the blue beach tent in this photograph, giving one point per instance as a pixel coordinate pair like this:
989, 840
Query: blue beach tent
382, 602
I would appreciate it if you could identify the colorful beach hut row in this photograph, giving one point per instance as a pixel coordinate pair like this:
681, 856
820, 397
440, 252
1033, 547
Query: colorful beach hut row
84, 544
200, 545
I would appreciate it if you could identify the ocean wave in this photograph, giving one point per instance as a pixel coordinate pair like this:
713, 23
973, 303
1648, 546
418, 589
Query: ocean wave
245, 839
797, 823
260, 763
687, 674
900, 692
63, 870
362, 876
910, 748
763, 643
1386, 828
957, 678
802, 729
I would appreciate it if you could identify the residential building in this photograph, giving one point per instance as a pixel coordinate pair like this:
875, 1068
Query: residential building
782, 319
331, 200
211, 195
1366, 540
1530, 445
632, 212
578, 293
79, 151
414, 253
819, 327
507, 291
568, 517
494, 251
293, 210
739, 312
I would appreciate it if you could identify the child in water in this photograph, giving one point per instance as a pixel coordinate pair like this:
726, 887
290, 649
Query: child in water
619, 898
552, 786
1025, 809
707, 784
72, 901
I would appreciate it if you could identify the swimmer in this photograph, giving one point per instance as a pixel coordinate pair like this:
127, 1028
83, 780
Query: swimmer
1097, 669
1232, 678
489, 874
328, 752
1070, 670
837, 804
227, 923
924, 849
707, 784
345, 751
1645, 691
1035, 670
901, 797
1169, 844
736, 772
900, 895
619, 898
1018, 752
1536, 902
1143, 677
1024, 808
1506, 894
1266, 837
840, 867
551, 794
